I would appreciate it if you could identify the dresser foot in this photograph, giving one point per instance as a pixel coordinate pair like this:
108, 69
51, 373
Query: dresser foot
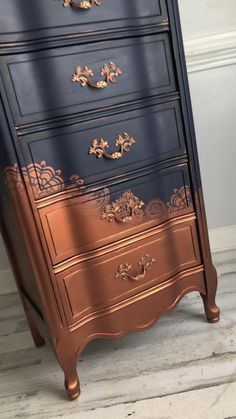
68, 360
72, 383
211, 310
72, 386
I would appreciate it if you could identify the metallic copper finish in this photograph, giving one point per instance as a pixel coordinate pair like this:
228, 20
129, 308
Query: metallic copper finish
67, 279
42, 178
108, 222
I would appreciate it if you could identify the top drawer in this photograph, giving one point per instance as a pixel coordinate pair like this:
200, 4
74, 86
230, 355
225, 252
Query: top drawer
24, 20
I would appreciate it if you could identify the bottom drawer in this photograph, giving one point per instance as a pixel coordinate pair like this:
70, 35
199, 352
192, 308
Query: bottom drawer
107, 279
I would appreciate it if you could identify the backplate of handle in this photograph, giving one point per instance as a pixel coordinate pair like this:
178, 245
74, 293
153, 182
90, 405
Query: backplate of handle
123, 142
84, 74
84, 4
124, 270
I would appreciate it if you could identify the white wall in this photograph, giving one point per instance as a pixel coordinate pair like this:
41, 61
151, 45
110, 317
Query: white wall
201, 18
209, 30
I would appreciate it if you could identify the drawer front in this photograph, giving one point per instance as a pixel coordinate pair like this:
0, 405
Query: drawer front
26, 21
134, 140
106, 280
81, 224
40, 86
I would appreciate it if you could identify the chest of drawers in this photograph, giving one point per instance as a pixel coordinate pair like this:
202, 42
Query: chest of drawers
102, 209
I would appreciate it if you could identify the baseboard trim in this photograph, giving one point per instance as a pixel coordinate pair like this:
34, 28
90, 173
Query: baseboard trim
211, 52
223, 247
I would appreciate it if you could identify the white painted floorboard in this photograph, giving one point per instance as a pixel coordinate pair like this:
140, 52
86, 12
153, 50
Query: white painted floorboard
182, 367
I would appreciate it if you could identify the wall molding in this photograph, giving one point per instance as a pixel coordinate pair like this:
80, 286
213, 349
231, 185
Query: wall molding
223, 247
210, 52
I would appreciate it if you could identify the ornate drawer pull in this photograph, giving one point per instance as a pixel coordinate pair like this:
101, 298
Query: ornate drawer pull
109, 71
86, 4
99, 147
123, 270
125, 209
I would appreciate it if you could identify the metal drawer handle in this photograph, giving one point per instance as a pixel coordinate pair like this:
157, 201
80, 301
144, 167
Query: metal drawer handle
109, 71
124, 142
86, 4
126, 209
123, 271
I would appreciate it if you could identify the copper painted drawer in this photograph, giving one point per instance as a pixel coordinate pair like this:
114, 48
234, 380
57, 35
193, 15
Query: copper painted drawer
134, 140
40, 85
42, 20
104, 281
84, 223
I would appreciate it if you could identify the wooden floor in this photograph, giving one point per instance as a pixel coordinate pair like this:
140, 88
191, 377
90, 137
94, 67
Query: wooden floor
182, 367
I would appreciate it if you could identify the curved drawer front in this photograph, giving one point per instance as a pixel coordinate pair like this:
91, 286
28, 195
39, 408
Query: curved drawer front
81, 224
26, 20
100, 283
40, 86
134, 140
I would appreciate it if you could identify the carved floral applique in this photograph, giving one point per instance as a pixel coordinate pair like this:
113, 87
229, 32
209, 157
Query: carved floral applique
130, 209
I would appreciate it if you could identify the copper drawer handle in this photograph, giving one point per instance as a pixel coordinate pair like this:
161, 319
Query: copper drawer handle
123, 271
109, 71
126, 209
85, 4
124, 142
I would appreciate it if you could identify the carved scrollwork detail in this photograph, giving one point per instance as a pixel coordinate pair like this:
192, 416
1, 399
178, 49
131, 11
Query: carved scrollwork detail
83, 75
124, 270
126, 209
84, 4
124, 142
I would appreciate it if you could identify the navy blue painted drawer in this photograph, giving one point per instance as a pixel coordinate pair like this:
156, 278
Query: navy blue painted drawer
95, 219
104, 148
39, 86
24, 20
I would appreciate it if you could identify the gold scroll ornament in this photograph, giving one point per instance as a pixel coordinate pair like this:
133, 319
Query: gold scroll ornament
99, 148
85, 4
124, 270
83, 76
125, 209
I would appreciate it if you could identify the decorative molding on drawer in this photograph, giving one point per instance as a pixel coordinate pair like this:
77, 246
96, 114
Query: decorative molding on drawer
211, 52
223, 246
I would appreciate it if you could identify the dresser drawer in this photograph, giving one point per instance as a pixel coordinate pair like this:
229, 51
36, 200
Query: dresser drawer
104, 281
84, 223
142, 137
40, 86
41, 19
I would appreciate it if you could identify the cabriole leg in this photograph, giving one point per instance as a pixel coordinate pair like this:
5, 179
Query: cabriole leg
72, 383
211, 309
68, 361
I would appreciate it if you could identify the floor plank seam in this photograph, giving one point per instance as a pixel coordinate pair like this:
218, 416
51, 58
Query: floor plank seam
133, 401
